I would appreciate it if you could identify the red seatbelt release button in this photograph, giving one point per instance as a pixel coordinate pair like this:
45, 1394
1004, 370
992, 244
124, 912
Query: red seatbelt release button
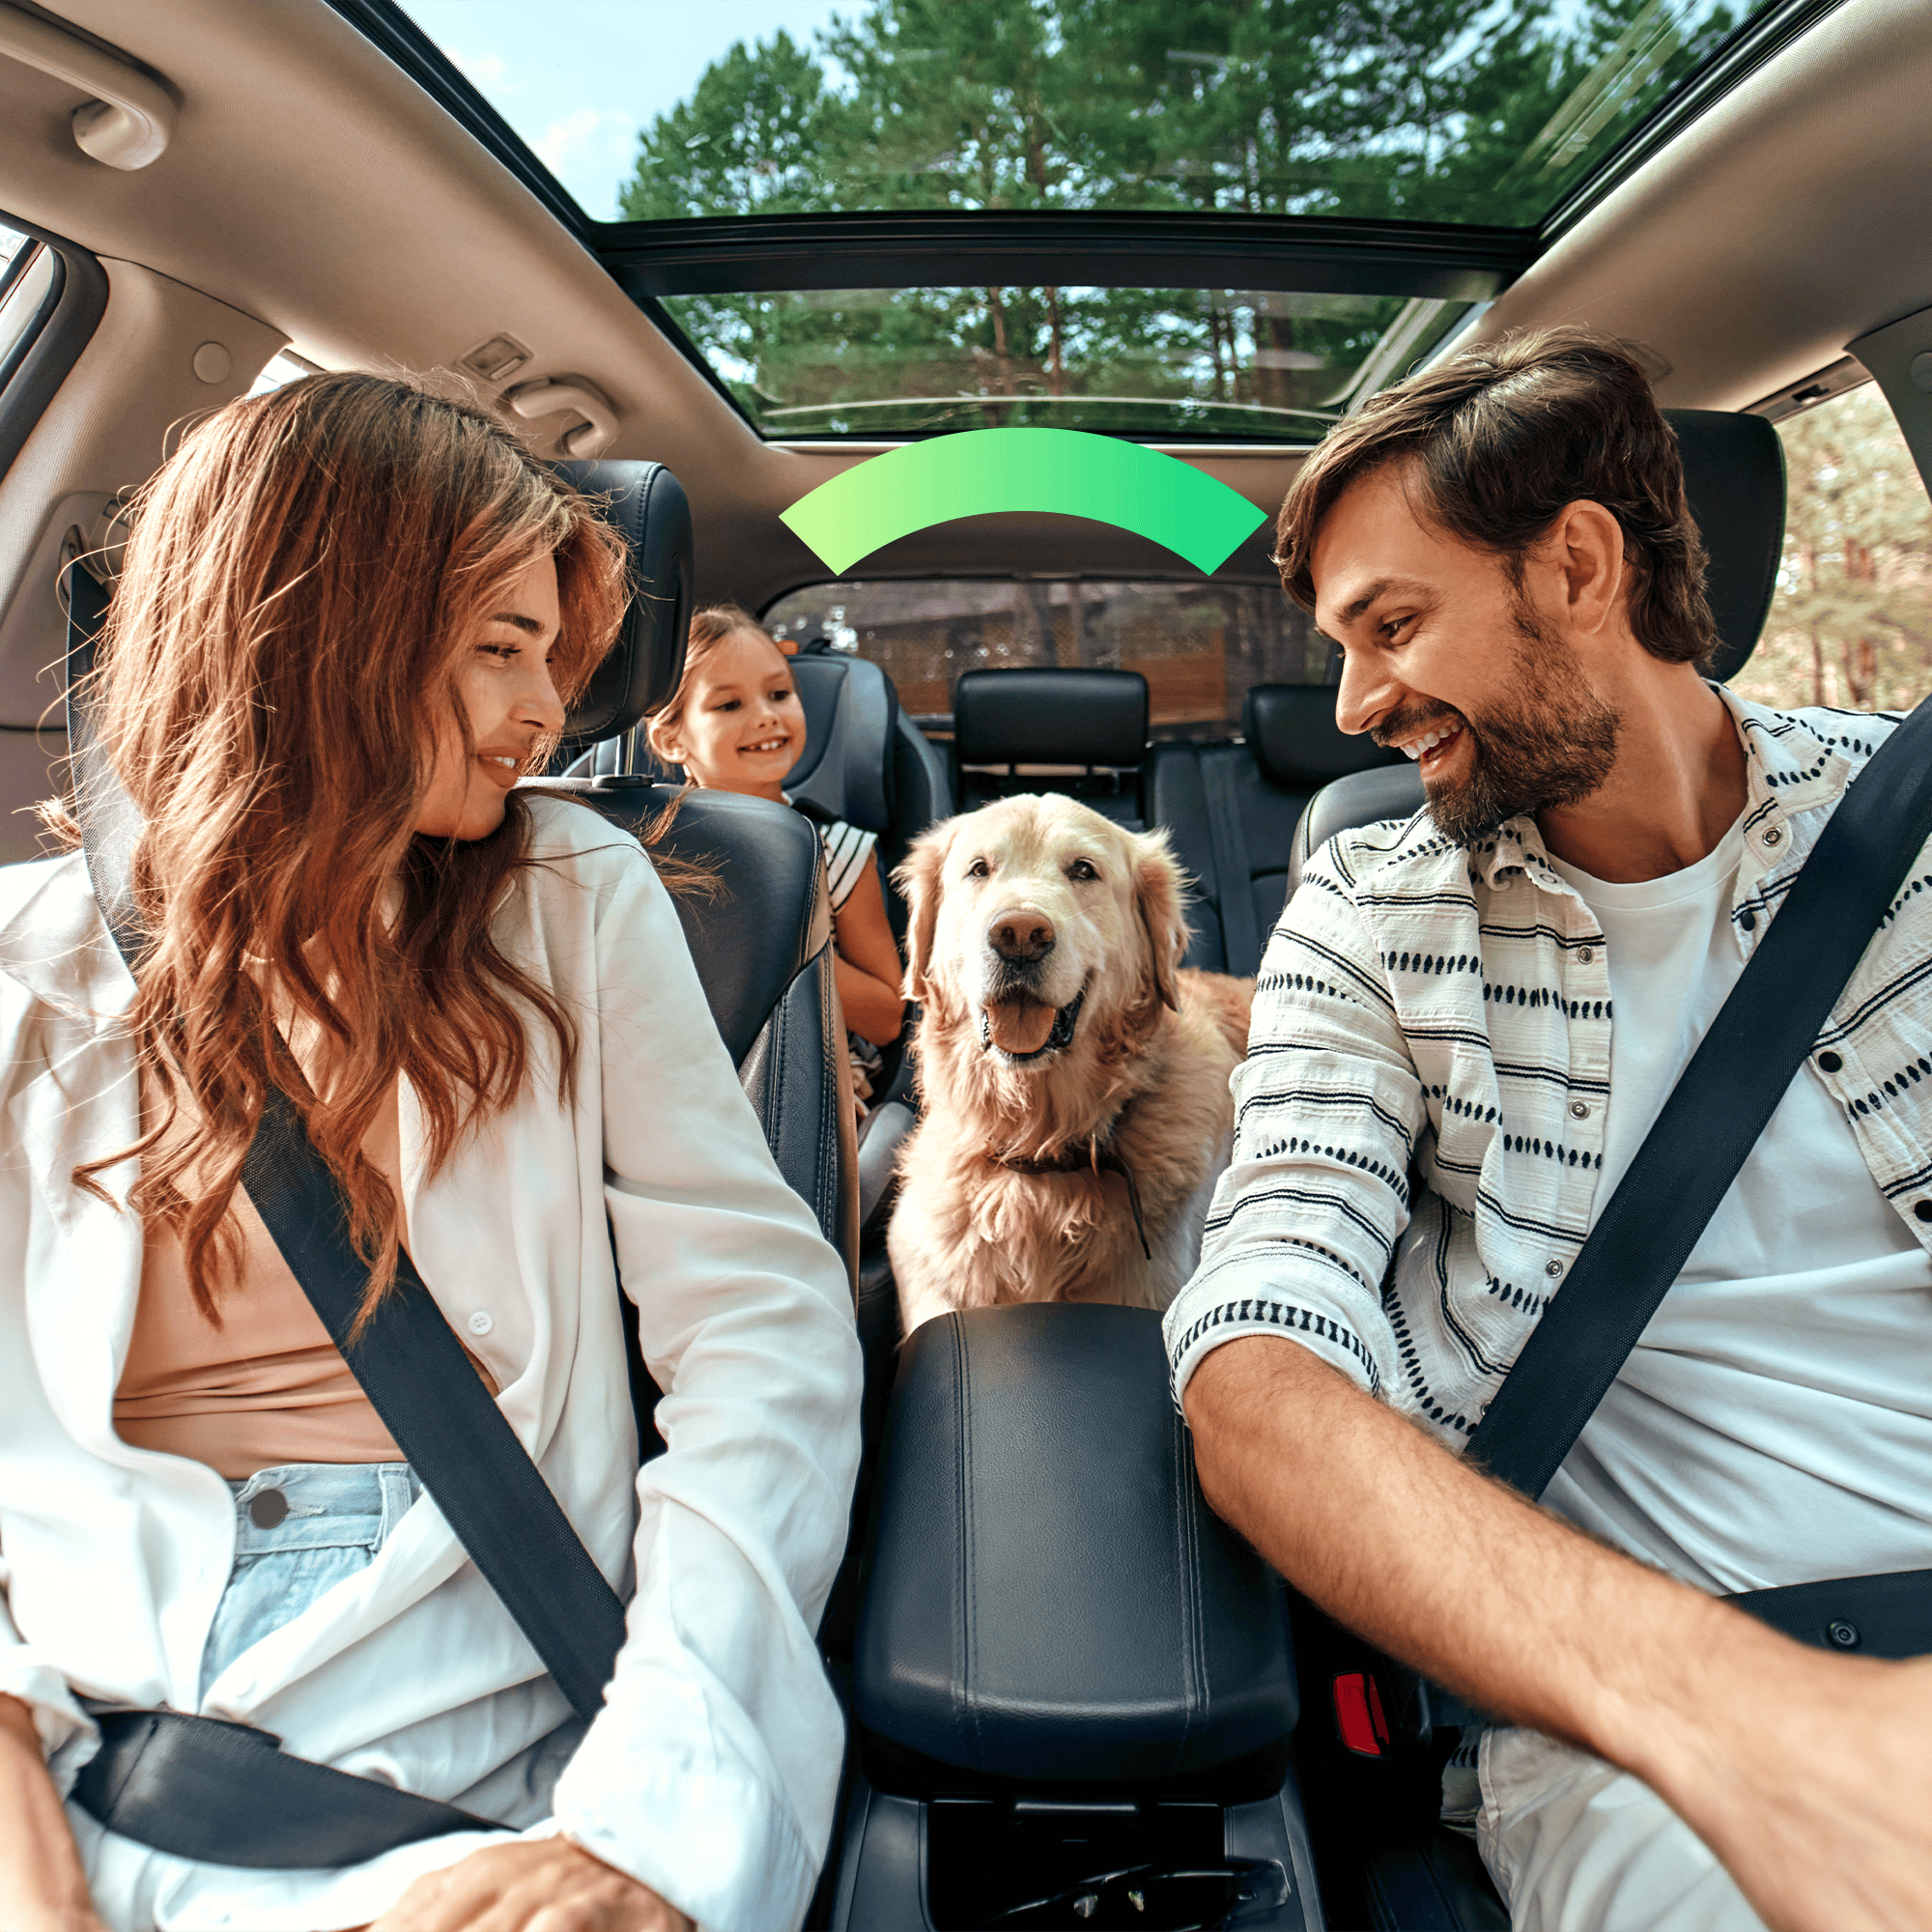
1358, 1715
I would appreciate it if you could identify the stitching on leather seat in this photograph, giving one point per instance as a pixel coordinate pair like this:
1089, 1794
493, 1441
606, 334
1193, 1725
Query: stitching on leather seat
967, 1704
1194, 1673
831, 1067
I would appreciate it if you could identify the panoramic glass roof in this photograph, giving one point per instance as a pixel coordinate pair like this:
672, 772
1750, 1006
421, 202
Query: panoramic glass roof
1417, 110
1148, 362
1466, 125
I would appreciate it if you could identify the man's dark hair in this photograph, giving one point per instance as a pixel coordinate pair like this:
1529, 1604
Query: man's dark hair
1497, 440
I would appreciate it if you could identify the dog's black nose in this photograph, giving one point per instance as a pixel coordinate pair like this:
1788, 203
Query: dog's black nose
1022, 936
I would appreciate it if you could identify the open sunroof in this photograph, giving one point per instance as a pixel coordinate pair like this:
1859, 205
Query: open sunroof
1364, 173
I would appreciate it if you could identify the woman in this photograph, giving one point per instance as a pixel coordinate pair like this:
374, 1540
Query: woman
734, 723
350, 616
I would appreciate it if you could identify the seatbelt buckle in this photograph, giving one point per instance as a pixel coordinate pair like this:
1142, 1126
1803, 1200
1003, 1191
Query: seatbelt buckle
1359, 1721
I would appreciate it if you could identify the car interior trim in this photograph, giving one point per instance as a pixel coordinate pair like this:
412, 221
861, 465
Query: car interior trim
131, 119
38, 363
740, 254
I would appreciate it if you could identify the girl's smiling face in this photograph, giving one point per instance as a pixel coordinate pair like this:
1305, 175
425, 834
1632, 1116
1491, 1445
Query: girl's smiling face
741, 728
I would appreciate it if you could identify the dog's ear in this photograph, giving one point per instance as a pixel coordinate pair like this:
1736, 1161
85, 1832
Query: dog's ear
918, 883
1158, 885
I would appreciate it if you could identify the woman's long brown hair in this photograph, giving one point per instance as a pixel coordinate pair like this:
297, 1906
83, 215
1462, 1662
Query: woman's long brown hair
303, 579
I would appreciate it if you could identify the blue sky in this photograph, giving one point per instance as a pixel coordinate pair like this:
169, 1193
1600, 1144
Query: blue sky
577, 78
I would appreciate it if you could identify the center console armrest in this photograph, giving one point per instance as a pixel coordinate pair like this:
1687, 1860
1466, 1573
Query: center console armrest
1048, 1595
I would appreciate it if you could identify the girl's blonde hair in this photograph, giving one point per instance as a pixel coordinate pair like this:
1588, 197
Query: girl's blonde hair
302, 582
709, 627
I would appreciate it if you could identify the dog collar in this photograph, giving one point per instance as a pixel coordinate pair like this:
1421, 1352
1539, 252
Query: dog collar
1098, 1160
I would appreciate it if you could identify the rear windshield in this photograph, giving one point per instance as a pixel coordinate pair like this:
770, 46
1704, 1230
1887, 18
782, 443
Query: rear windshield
1198, 645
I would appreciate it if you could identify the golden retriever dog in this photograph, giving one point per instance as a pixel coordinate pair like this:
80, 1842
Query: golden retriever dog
1074, 1078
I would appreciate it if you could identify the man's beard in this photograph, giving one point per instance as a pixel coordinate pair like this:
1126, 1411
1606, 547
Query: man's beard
1550, 744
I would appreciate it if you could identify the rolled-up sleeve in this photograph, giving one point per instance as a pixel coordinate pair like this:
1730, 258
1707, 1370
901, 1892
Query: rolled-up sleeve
1328, 1109
712, 1771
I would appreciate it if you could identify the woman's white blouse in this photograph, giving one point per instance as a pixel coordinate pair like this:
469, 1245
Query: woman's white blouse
711, 1772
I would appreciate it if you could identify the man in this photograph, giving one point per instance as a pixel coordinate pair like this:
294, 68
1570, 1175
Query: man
1463, 1028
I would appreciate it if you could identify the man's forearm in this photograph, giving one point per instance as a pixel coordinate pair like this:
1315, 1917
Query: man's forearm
42, 1884
1463, 1579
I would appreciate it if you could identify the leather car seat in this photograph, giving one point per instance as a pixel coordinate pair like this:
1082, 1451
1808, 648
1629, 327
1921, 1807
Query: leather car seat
865, 760
762, 944
1065, 1662
1734, 477
865, 763
1231, 811
1095, 722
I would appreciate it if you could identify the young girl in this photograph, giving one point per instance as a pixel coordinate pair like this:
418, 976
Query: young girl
734, 723
350, 616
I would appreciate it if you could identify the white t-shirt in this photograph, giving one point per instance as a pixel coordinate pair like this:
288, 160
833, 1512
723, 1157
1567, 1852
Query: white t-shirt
1774, 1423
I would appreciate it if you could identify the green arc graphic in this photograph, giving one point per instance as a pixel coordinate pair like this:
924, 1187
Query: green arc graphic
976, 472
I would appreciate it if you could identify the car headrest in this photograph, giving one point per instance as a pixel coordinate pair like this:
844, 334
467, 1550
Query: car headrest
1734, 476
851, 714
1291, 731
1048, 717
647, 503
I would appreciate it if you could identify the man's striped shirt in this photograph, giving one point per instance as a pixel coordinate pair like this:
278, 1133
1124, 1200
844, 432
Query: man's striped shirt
1419, 1128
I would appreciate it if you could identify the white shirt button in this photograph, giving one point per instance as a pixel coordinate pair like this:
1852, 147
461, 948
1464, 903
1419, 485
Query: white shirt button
1772, 835
1584, 954
480, 1323
1552, 1268
1579, 1111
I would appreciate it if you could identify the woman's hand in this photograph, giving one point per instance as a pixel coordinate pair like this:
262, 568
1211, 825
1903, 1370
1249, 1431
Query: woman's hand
539, 1884
42, 1886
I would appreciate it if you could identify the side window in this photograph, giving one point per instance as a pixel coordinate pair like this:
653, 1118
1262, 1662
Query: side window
1851, 622
51, 296
27, 279
1198, 645
287, 368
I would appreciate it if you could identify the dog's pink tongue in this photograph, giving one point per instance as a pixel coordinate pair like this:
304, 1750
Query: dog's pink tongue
1019, 1026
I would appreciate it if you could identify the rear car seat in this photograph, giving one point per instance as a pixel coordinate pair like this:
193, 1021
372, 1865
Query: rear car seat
1090, 724
1232, 810
1424, 1878
865, 760
865, 763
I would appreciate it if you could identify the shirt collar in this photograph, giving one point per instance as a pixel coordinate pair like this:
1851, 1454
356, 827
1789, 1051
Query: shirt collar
1793, 763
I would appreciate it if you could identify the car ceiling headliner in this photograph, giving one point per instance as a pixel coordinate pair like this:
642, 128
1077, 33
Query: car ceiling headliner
313, 184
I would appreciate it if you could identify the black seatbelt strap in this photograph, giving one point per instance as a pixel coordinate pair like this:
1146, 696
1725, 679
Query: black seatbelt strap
407, 1360
226, 1794
1714, 1117
1240, 936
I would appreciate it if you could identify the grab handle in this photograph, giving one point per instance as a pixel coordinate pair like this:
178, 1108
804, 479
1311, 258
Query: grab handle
569, 392
131, 118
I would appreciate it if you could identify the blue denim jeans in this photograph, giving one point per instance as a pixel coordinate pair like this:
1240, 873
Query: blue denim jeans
301, 1529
